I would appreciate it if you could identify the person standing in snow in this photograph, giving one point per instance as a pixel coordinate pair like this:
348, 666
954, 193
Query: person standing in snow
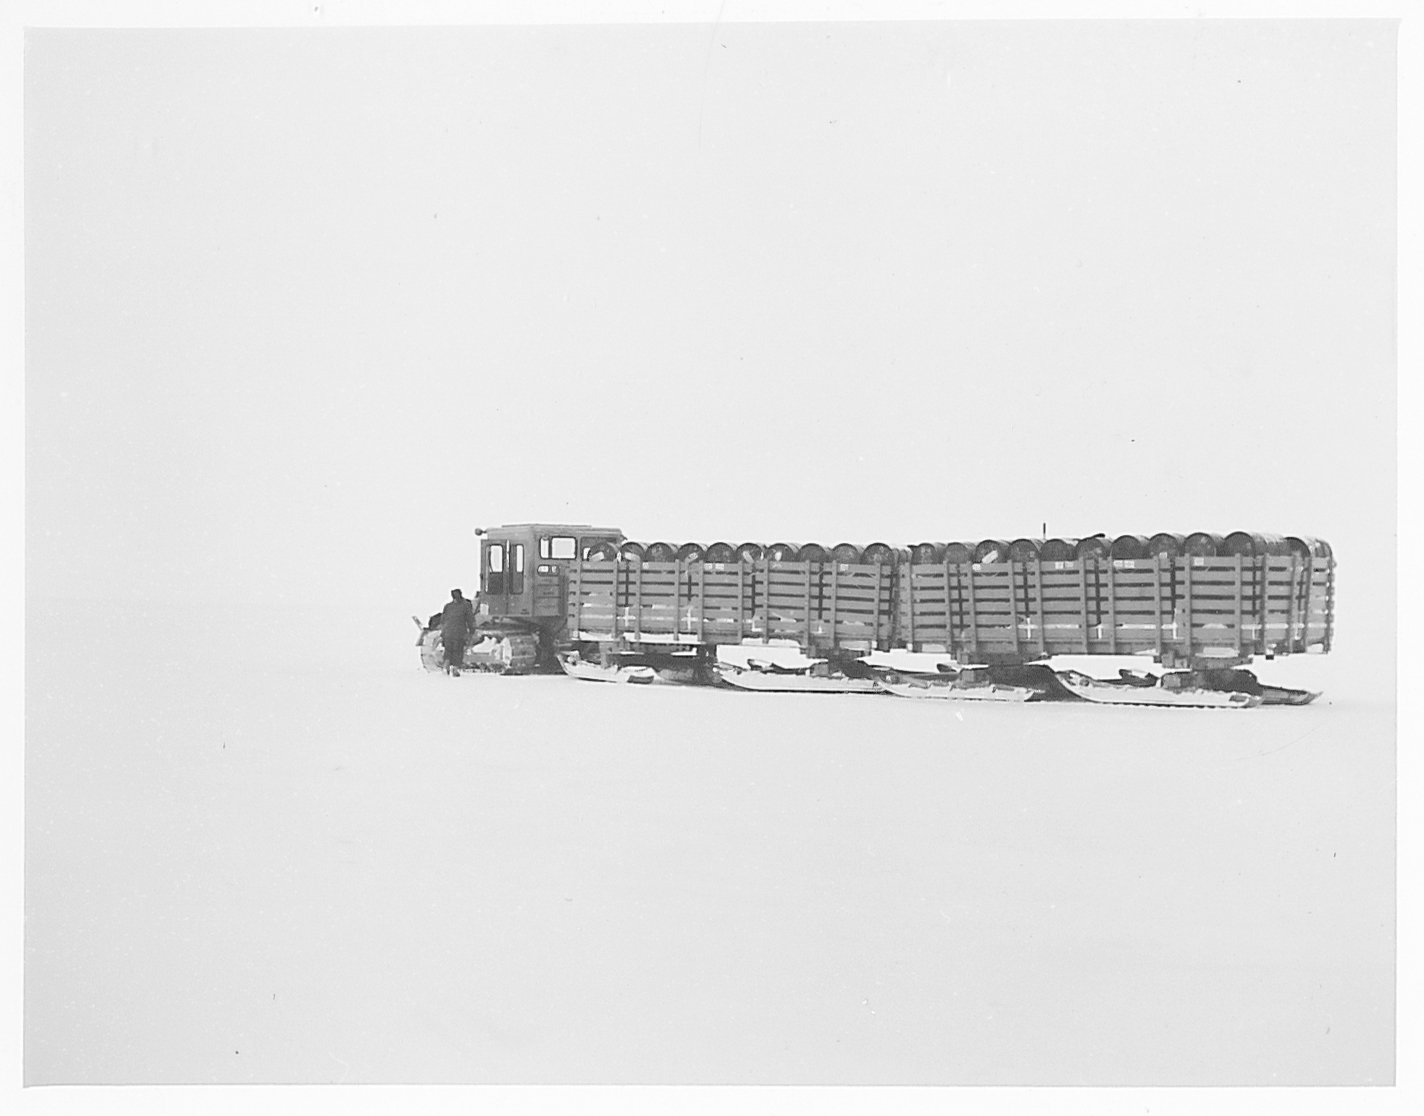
457, 624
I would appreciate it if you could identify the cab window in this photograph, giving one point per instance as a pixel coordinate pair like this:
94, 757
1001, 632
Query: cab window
494, 569
516, 569
558, 546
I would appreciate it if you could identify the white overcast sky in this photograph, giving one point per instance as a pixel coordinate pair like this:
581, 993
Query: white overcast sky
306, 306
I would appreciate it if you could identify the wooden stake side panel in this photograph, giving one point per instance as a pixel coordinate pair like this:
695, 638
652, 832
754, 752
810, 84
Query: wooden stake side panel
1190, 606
1299, 614
832, 604
663, 602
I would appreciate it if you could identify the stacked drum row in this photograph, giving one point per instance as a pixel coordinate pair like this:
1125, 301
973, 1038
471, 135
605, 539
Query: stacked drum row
1203, 544
1100, 547
874, 554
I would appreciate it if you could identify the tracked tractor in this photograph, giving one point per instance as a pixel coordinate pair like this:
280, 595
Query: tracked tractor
521, 607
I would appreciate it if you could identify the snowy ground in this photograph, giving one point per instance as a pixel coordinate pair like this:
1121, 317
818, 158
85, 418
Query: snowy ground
262, 852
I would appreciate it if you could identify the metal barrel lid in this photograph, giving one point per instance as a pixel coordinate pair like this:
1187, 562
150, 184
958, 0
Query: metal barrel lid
876, 554
1094, 546
959, 553
1250, 544
720, 552
846, 552
992, 550
815, 552
1202, 544
1165, 543
783, 552
749, 552
1058, 550
1131, 546
927, 553
1307, 546
659, 552
601, 552
631, 552
690, 552
1025, 550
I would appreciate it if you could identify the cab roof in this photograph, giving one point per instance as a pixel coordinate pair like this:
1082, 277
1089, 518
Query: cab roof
557, 529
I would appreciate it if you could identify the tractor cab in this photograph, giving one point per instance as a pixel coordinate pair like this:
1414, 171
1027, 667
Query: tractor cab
524, 567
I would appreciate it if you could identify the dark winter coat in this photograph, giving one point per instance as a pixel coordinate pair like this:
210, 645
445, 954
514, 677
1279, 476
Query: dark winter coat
457, 620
